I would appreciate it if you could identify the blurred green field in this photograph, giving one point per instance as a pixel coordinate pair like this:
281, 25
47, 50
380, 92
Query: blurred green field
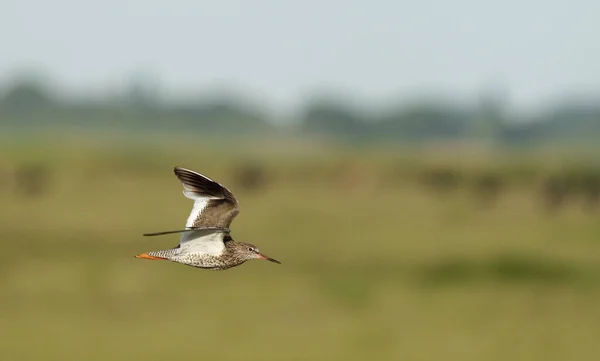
372, 270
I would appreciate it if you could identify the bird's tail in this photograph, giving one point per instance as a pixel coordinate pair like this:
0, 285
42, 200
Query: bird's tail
157, 255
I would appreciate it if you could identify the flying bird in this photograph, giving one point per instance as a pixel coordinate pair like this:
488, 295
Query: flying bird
206, 242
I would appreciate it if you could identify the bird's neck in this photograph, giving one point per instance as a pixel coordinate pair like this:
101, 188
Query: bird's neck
230, 245
231, 253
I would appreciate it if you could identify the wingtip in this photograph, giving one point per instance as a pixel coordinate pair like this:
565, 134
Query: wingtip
182, 172
182, 169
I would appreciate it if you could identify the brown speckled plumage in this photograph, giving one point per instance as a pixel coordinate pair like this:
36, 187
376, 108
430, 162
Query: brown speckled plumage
206, 243
236, 253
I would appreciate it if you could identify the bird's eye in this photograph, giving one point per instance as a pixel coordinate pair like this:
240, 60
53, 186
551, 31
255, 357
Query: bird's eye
251, 249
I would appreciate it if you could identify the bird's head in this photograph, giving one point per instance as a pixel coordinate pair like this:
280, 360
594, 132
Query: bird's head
250, 251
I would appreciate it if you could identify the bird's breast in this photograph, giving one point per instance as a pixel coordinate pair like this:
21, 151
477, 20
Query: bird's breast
201, 260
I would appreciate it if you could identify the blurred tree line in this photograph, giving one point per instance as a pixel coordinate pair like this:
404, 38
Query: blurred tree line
29, 102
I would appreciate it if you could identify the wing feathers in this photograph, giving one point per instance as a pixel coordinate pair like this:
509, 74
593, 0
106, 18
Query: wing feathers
226, 230
214, 204
197, 185
203, 241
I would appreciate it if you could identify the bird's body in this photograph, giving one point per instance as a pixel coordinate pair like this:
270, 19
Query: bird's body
233, 254
205, 242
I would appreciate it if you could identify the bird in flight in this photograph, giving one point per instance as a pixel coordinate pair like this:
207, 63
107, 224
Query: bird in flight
206, 242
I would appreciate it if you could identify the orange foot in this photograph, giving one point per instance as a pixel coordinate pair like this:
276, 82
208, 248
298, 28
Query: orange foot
146, 256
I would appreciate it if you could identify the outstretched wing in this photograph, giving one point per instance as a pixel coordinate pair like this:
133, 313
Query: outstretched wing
214, 205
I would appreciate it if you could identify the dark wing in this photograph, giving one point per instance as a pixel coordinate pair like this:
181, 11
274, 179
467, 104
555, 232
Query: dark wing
214, 205
225, 230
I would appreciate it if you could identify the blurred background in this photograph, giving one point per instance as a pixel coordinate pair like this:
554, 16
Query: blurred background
428, 174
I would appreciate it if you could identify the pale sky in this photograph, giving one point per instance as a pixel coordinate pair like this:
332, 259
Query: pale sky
278, 51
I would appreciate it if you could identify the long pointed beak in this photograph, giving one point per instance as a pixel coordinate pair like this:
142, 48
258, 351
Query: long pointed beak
262, 256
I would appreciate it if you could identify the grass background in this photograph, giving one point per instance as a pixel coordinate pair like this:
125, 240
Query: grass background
374, 266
